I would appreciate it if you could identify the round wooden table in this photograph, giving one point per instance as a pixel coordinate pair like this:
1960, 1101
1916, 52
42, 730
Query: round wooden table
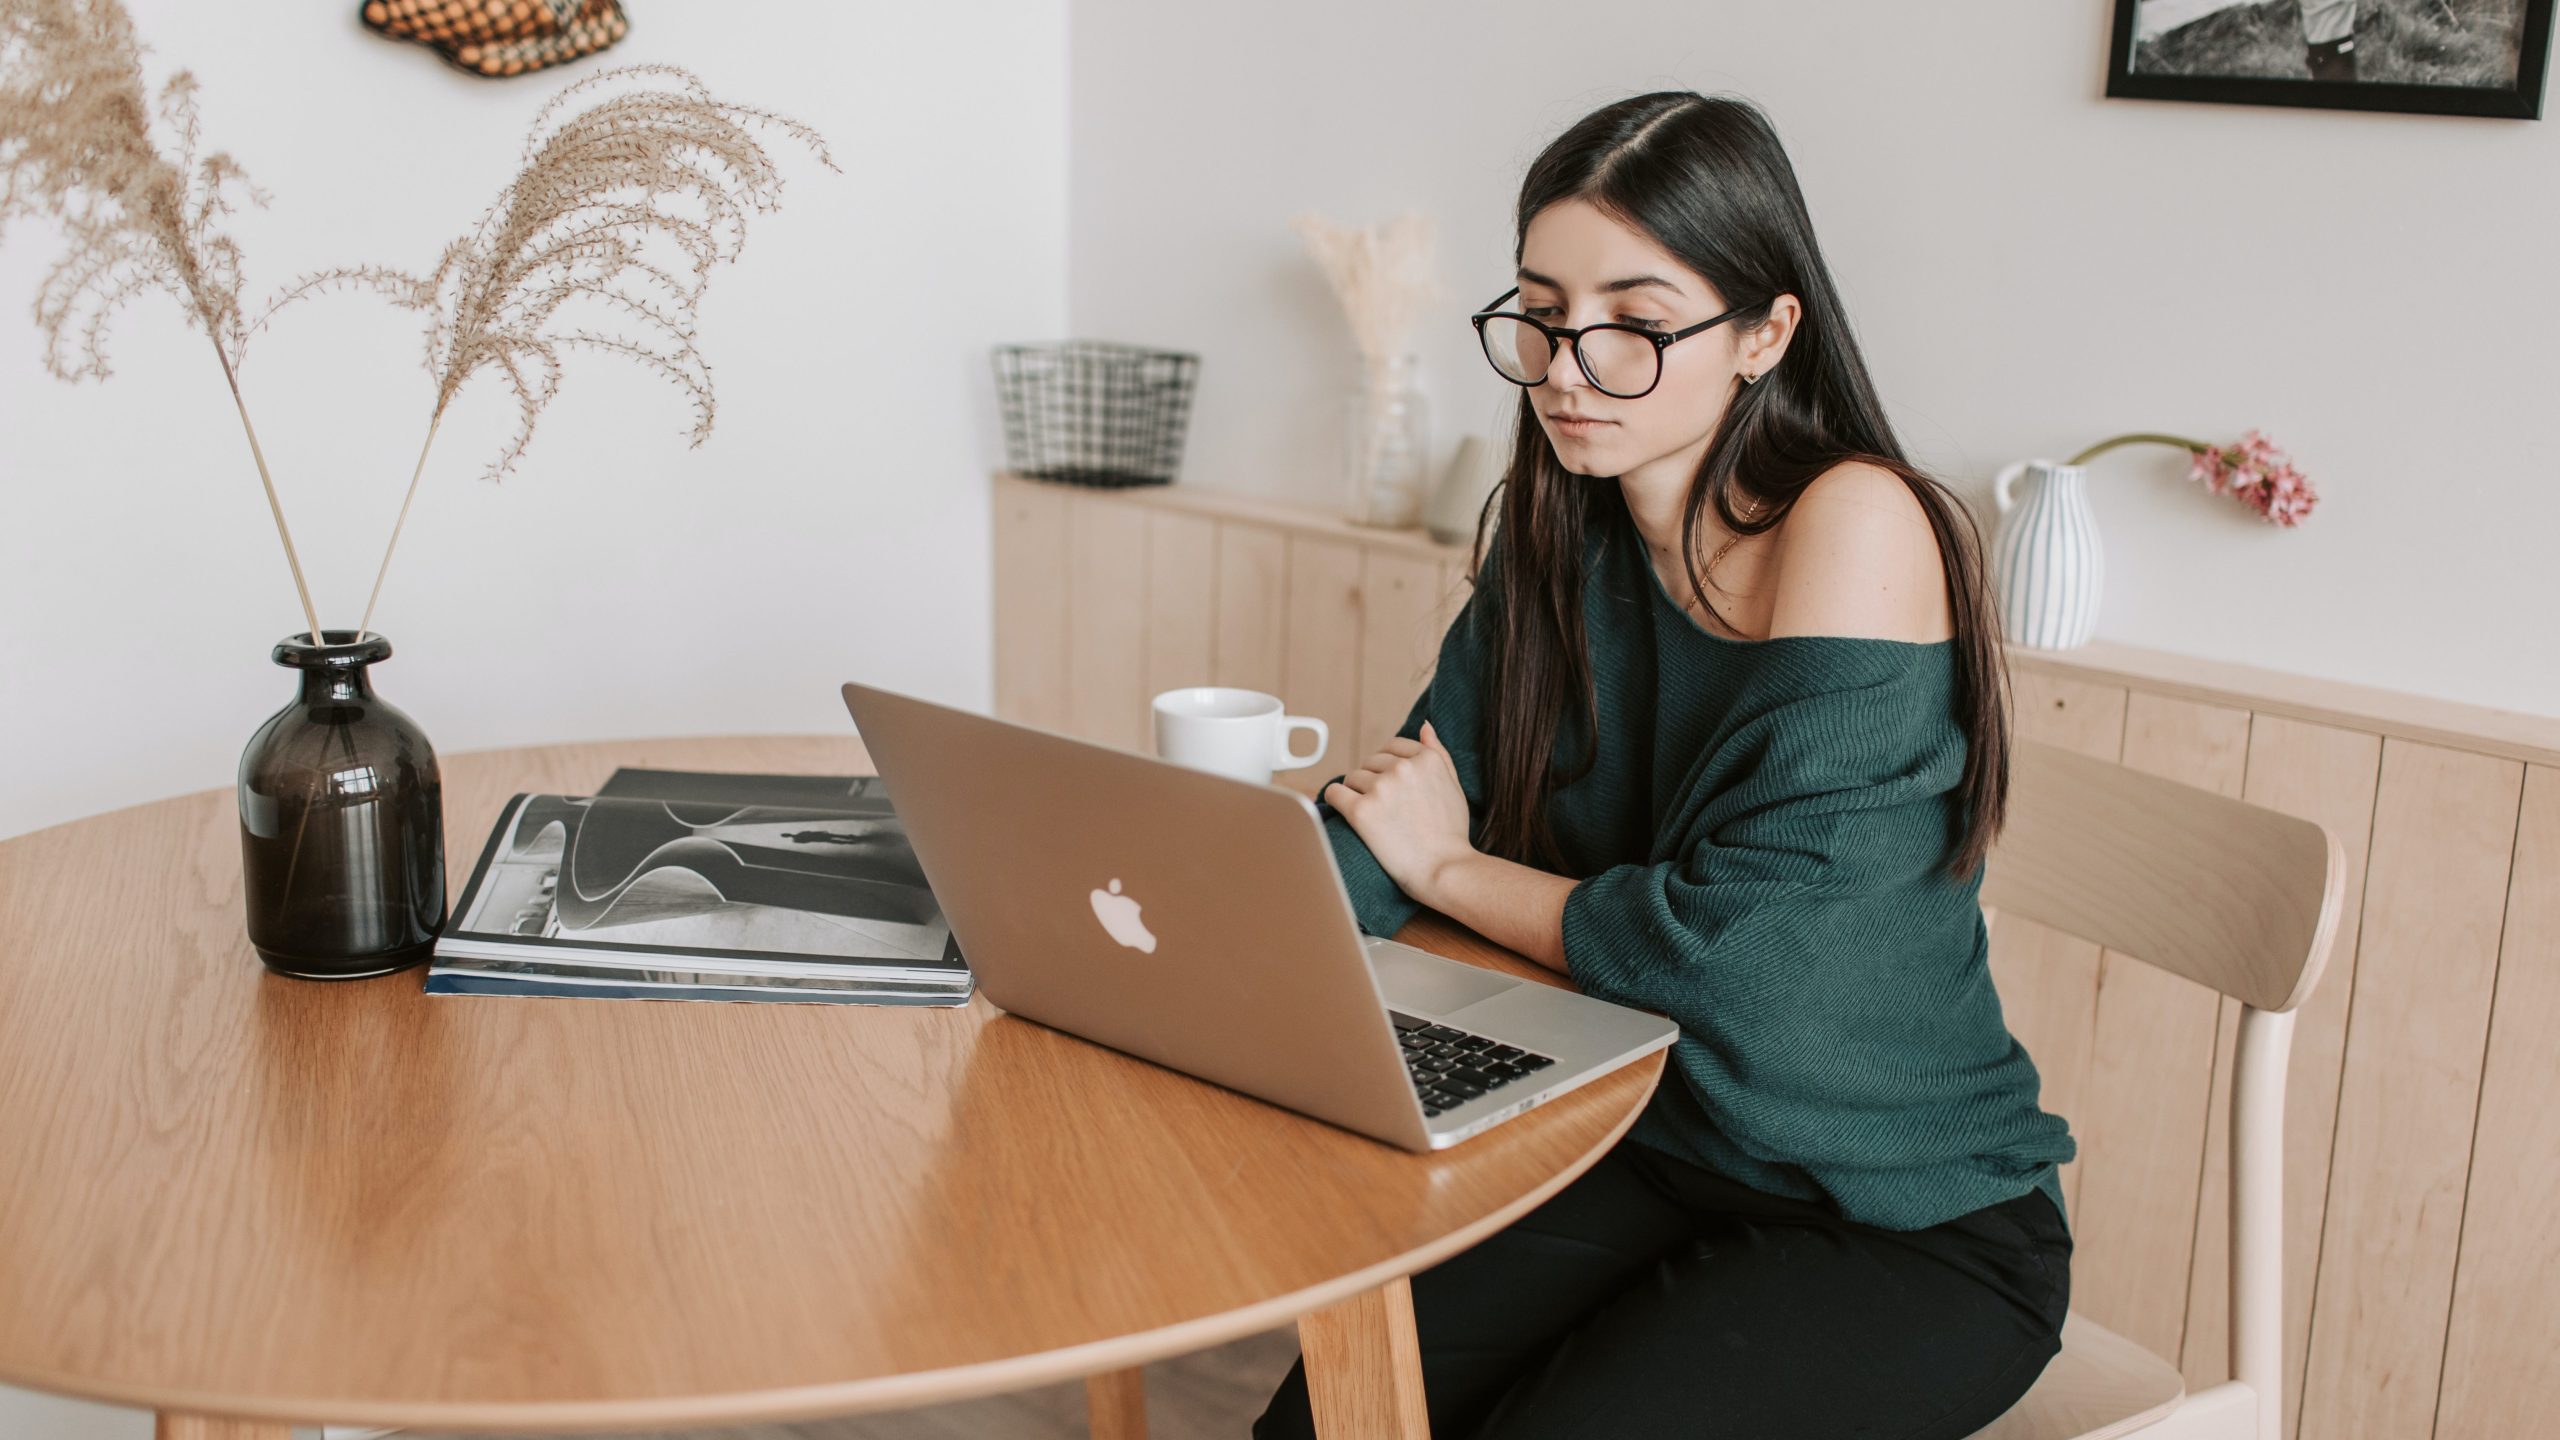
244, 1201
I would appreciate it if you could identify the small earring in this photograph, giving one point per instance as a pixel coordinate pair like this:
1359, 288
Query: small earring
1752, 379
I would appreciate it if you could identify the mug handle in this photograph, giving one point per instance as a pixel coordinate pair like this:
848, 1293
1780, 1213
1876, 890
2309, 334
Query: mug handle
1290, 725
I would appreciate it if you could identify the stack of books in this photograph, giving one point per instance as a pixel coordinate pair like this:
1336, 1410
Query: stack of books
685, 885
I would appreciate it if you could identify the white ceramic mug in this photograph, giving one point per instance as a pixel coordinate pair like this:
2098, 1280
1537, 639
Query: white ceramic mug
1244, 734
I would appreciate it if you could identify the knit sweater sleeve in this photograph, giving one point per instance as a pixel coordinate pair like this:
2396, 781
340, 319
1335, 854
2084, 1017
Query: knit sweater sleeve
1452, 702
1795, 921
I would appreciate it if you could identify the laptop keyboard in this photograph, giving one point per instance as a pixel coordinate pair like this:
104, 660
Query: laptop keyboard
1451, 1067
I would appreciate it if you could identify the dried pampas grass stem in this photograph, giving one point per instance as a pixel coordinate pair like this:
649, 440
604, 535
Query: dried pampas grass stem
1382, 274
620, 211
76, 145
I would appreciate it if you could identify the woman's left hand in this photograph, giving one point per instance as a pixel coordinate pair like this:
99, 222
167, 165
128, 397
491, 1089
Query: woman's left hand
1407, 806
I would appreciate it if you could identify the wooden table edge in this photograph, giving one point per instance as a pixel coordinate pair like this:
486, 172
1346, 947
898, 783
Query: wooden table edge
856, 1397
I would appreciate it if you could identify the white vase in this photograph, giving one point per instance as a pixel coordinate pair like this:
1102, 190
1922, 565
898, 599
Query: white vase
2046, 564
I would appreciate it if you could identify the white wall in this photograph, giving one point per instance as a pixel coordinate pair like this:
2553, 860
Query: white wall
833, 526
2030, 266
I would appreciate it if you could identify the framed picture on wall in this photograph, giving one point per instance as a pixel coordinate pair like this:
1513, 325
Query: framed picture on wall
2440, 57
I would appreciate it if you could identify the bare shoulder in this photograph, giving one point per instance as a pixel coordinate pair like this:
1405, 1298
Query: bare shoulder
1858, 557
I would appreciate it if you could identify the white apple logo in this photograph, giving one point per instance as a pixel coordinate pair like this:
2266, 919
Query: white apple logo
1119, 915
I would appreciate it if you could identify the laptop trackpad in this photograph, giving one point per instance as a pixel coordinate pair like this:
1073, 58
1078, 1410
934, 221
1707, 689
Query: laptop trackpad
1421, 982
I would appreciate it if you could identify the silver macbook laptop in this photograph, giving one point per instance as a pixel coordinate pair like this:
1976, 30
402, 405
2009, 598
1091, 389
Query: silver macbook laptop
1198, 921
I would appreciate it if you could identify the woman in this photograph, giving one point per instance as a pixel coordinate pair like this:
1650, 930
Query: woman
1720, 735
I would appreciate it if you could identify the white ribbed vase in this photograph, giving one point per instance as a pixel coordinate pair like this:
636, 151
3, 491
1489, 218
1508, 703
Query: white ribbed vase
2045, 560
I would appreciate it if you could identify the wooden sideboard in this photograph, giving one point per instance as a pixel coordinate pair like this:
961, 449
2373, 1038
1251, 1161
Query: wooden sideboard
2422, 1130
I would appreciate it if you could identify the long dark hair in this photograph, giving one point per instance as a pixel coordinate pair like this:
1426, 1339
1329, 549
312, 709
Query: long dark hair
1707, 180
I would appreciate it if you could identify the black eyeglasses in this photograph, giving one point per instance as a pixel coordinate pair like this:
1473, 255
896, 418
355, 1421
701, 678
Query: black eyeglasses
1623, 361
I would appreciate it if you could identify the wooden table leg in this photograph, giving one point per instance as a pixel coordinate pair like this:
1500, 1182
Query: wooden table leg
1115, 1405
199, 1427
1364, 1367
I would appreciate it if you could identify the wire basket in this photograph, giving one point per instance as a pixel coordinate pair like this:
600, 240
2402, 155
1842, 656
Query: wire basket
1091, 412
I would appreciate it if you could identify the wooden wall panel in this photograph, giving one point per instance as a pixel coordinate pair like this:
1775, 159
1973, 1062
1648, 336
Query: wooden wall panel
1182, 605
1107, 622
2048, 981
1322, 667
2500, 1377
2435, 893
2151, 1075
1403, 614
2327, 775
1030, 609
2204, 1353
2073, 714
1252, 626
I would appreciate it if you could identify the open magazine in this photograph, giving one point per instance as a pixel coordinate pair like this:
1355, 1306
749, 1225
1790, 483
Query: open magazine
688, 885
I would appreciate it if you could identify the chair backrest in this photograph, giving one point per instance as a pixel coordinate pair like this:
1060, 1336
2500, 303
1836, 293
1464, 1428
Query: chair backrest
2231, 895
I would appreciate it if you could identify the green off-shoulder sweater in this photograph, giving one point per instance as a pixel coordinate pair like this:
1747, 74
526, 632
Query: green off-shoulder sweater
1759, 855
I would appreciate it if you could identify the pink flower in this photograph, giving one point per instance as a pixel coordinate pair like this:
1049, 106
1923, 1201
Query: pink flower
2258, 474
2252, 471
2289, 497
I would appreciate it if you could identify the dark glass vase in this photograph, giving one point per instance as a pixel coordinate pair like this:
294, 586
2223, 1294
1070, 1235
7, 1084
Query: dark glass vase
341, 822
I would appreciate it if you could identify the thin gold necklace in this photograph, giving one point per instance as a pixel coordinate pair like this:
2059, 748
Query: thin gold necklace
1709, 576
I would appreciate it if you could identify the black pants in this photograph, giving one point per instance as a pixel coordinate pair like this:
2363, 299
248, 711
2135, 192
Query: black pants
1653, 1298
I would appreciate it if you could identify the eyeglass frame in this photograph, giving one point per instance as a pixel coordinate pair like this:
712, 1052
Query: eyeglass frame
1558, 336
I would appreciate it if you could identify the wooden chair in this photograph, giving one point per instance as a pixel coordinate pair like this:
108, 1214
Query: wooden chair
2233, 896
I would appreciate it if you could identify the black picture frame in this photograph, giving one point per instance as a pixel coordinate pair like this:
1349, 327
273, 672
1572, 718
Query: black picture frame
2521, 101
